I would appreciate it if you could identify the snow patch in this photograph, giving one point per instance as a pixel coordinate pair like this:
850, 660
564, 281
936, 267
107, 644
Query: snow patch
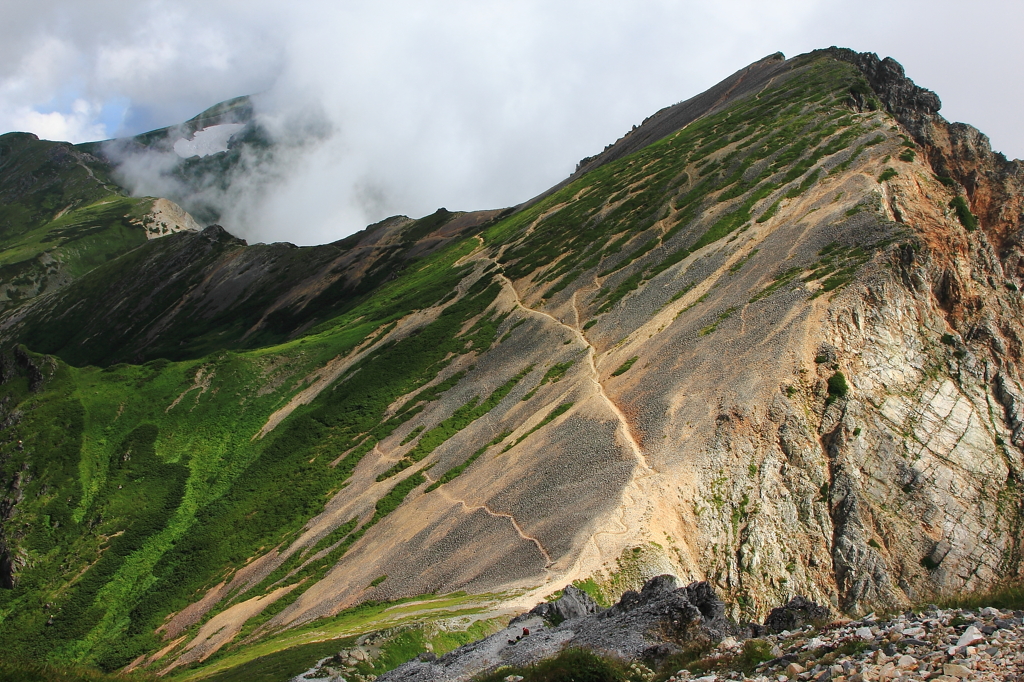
212, 140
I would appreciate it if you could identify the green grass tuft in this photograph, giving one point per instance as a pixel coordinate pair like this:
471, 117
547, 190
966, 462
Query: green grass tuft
963, 213
624, 367
887, 174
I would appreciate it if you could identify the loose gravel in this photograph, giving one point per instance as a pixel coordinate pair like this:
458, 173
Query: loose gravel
943, 645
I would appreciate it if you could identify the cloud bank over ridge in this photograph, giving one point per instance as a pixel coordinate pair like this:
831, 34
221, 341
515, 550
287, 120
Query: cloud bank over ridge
455, 103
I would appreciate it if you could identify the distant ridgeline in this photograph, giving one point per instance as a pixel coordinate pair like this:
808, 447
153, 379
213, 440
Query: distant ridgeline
769, 339
200, 157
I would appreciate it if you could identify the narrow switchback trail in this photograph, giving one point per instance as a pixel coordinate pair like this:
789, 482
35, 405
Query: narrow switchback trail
470, 508
625, 428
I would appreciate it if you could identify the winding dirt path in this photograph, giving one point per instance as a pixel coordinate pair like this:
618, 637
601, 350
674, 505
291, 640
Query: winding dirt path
626, 429
515, 524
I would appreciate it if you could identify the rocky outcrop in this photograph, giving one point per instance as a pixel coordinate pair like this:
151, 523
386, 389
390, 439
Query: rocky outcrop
909, 103
574, 603
653, 622
795, 614
166, 217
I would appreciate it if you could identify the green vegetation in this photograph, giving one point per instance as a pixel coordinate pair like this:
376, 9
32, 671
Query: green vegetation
14, 670
682, 292
594, 590
797, 190
697, 659
62, 216
837, 388
554, 414
770, 212
793, 128
1008, 596
185, 493
580, 665
553, 375
463, 417
504, 337
887, 174
839, 264
624, 367
742, 261
907, 155
457, 470
722, 316
702, 298
781, 280
963, 213
396, 496
281, 665
412, 435
286, 663
842, 167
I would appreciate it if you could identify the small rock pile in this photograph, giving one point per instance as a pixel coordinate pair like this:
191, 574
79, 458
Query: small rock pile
341, 667
942, 645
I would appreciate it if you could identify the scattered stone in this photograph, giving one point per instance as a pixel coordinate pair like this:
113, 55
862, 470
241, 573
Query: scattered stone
955, 670
934, 646
970, 636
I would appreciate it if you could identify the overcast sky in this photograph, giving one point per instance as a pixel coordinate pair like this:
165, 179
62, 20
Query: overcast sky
463, 104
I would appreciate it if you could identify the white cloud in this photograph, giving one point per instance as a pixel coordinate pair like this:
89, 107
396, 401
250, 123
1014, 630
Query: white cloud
76, 125
466, 104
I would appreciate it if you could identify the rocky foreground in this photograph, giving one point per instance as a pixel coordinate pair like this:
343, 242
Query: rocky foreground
683, 634
937, 644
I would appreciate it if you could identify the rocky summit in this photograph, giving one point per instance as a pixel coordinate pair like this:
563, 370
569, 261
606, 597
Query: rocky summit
769, 341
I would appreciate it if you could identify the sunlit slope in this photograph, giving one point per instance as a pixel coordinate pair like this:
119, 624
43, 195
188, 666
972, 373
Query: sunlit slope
729, 355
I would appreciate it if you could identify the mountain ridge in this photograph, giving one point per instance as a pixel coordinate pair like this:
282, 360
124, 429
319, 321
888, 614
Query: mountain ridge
775, 349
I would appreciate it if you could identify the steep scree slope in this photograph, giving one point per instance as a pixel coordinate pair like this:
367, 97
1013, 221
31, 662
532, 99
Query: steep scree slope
776, 349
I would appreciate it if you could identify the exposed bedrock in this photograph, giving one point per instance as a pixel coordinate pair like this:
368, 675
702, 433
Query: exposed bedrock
650, 623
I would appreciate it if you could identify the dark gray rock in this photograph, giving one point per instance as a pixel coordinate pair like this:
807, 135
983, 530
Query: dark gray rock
909, 103
574, 603
799, 612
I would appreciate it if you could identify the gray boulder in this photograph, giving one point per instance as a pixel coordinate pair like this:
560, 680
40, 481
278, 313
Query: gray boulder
574, 603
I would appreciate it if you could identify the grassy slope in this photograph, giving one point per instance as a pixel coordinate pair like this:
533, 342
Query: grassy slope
130, 497
58, 202
134, 507
654, 206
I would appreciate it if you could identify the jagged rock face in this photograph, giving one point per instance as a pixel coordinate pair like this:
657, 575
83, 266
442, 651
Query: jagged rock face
574, 603
661, 617
903, 99
771, 351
